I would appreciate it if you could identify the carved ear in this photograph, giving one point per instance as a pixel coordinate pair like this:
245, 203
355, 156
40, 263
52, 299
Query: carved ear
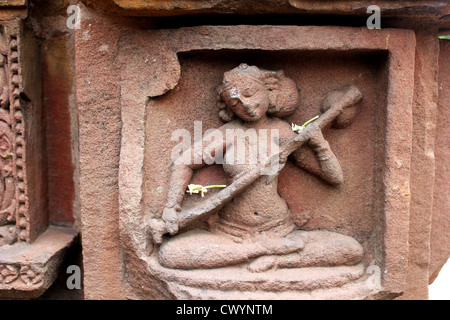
284, 97
273, 95
226, 115
272, 84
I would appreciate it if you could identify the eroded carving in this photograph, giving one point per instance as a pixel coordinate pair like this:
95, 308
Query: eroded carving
14, 222
27, 274
9, 274
6, 141
7, 189
253, 227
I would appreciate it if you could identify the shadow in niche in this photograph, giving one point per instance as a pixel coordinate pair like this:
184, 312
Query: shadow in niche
59, 290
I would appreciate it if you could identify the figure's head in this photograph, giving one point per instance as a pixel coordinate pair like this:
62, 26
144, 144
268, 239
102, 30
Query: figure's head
249, 93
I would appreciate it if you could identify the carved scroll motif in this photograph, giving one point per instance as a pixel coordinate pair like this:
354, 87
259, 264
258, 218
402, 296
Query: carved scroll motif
14, 222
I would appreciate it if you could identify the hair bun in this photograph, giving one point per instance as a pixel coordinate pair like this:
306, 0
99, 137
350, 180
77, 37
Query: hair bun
287, 97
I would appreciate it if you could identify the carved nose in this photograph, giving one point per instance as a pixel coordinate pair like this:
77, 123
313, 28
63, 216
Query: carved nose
249, 109
247, 106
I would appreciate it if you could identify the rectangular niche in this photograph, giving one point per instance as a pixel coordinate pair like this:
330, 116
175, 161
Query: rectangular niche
169, 81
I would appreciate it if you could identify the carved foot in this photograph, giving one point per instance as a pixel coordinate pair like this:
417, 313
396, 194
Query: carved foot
282, 246
275, 247
262, 264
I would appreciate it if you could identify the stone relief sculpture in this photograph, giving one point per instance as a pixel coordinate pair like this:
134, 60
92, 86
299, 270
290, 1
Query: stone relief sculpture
6, 171
7, 185
4, 86
250, 225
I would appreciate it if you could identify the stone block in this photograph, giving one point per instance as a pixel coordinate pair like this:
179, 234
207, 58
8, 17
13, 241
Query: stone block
153, 82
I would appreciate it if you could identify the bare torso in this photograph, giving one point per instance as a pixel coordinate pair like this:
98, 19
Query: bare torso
259, 209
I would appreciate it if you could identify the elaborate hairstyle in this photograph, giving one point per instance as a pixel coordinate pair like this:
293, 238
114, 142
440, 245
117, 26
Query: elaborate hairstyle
283, 92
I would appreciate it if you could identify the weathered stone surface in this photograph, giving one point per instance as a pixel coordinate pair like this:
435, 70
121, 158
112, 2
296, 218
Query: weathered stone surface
13, 3
430, 9
422, 161
49, 20
237, 283
149, 71
136, 86
22, 113
30, 251
13, 9
26, 271
131, 150
98, 99
440, 228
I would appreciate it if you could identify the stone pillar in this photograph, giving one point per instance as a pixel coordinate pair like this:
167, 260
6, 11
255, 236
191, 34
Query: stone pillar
31, 249
93, 118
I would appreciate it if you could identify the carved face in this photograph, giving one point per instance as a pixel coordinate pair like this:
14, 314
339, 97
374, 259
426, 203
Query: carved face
246, 97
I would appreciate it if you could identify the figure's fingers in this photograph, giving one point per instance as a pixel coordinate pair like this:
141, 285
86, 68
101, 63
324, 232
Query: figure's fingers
157, 229
172, 228
170, 215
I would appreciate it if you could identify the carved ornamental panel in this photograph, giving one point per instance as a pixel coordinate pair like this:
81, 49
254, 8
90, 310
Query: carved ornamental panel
329, 220
14, 217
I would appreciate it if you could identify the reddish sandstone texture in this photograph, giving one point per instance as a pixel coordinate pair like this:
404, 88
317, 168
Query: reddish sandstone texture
373, 221
179, 7
440, 234
93, 111
57, 89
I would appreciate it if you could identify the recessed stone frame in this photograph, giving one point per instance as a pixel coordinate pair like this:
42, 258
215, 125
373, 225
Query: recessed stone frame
143, 79
29, 218
18, 227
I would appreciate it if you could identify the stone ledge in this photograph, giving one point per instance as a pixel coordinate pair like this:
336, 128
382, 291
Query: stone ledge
27, 271
13, 3
433, 10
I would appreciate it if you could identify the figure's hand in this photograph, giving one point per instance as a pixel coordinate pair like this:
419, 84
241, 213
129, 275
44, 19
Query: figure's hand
170, 217
314, 135
157, 228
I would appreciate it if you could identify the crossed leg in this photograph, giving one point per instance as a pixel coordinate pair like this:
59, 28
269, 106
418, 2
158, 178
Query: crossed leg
199, 249
322, 249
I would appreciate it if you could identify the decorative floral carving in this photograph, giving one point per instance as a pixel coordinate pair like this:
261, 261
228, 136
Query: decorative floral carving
13, 193
17, 124
8, 274
31, 275
254, 227
7, 204
28, 274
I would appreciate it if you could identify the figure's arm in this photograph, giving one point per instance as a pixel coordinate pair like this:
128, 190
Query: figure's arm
182, 171
327, 166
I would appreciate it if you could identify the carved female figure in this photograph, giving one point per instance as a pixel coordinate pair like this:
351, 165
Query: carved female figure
254, 225
6, 136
